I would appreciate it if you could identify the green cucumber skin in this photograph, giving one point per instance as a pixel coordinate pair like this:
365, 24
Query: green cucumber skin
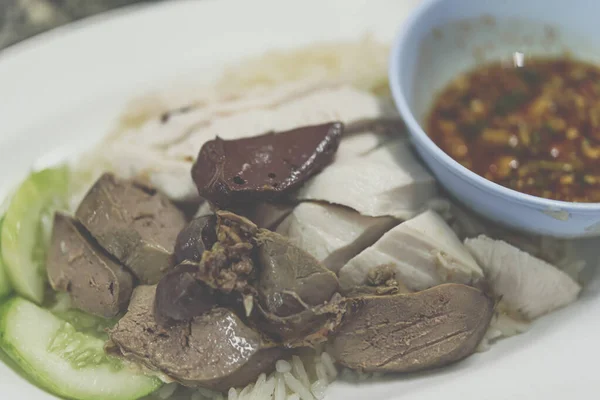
5, 286
41, 191
10, 306
8, 349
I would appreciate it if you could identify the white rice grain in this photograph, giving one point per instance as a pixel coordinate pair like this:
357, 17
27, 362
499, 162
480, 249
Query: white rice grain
262, 378
299, 371
293, 379
232, 394
297, 387
268, 389
258, 388
330, 367
283, 366
245, 393
318, 389
321, 372
280, 388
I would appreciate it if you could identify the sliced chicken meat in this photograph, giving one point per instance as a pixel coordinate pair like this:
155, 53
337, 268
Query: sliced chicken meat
527, 285
362, 137
332, 234
164, 152
556, 251
423, 252
312, 107
387, 181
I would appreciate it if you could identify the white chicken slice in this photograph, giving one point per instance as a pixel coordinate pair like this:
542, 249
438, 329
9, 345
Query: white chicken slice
363, 137
332, 234
164, 153
527, 285
341, 103
173, 125
423, 252
388, 181
169, 175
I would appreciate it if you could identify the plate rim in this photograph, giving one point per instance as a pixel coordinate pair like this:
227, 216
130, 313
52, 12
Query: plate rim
34, 43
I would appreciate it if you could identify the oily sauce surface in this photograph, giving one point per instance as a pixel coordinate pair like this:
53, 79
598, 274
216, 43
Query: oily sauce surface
533, 128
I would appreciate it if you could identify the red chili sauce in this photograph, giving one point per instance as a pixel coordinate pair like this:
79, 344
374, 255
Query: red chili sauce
534, 128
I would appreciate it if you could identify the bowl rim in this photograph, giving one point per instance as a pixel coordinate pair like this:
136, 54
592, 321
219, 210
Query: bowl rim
395, 65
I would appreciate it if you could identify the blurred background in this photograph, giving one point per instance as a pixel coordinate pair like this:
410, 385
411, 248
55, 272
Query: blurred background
20, 19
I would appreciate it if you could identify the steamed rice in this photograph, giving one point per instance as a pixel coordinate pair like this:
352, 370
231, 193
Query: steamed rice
303, 377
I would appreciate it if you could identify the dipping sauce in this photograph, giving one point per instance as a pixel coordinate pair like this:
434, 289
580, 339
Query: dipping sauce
533, 126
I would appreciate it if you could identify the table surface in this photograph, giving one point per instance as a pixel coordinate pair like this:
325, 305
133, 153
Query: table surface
20, 19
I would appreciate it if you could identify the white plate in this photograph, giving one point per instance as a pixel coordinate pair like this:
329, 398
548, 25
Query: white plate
63, 90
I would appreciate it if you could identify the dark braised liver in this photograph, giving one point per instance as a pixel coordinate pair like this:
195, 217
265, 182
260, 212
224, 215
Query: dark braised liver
298, 305
233, 173
411, 332
181, 297
216, 350
281, 288
290, 279
96, 282
197, 236
134, 223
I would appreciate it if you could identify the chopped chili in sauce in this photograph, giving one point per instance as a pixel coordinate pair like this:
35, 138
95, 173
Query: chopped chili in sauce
534, 128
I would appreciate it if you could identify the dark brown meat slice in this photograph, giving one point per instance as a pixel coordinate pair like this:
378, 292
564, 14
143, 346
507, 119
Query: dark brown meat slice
197, 236
248, 266
297, 301
411, 332
232, 173
181, 297
134, 223
306, 328
290, 280
215, 351
75, 264
222, 246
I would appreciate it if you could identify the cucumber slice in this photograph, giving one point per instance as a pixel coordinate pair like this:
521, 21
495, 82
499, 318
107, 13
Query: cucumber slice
5, 287
87, 323
27, 228
66, 362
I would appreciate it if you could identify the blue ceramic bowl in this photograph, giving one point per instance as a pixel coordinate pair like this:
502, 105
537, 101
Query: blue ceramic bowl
443, 38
